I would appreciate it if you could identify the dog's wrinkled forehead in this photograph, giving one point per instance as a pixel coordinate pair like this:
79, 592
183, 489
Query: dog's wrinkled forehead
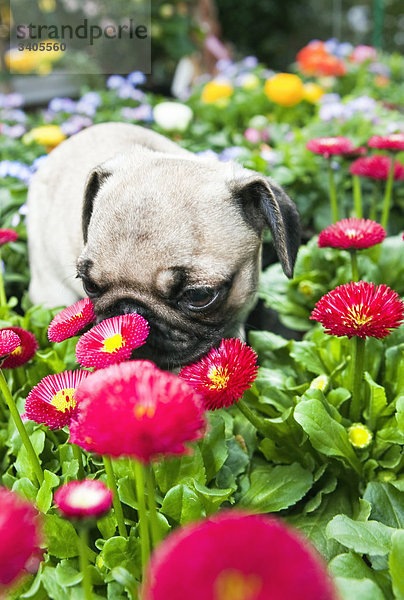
185, 200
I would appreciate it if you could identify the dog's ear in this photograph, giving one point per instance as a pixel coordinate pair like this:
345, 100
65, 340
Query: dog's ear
94, 181
265, 204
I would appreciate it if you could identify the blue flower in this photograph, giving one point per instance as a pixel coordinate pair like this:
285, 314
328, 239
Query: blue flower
15, 168
115, 82
66, 105
136, 78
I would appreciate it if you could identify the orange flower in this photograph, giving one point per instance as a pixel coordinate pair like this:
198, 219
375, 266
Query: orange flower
216, 91
314, 59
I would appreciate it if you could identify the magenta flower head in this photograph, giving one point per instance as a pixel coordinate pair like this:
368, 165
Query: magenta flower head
53, 401
112, 341
20, 536
376, 167
71, 321
223, 375
360, 309
7, 235
330, 145
134, 409
352, 233
9, 341
233, 556
393, 142
83, 499
22, 353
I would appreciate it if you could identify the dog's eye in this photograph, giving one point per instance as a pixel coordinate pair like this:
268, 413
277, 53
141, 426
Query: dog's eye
200, 297
90, 288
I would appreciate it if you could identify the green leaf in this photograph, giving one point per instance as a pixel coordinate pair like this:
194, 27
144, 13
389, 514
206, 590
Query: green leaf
213, 446
23, 463
358, 589
276, 488
177, 470
325, 433
387, 503
212, 498
182, 504
61, 537
306, 354
396, 561
124, 577
25, 488
364, 537
351, 566
45, 495
67, 575
377, 401
122, 552
52, 586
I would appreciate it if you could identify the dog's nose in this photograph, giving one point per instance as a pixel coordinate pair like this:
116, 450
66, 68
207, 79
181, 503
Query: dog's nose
126, 306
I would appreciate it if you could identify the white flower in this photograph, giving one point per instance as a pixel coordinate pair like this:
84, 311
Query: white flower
172, 116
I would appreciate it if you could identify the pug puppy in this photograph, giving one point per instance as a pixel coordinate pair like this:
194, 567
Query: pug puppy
126, 216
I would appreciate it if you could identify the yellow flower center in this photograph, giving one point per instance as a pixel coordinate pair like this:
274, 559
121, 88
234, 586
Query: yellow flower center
144, 409
351, 233
233, 585
219, 378
359, 435
357, 318
113, 343
64, 400
17, 351
328, 141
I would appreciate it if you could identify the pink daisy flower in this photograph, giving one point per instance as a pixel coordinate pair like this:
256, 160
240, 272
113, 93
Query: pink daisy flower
19, 535
83, 499
112, 341
53, 401
233, 555
360, 309
71, 321
7, 235
134, 409
393, 141
24, 352
352, 234
9, 341
376, 167
223, 375
330, 145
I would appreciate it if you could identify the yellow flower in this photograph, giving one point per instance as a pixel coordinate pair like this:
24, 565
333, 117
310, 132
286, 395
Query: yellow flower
285, 89
48, 135
312, 92
319, 383
359, 435
216, 90
27, 61
47, 6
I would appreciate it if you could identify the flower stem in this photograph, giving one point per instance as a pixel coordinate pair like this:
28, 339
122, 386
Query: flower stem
357, 195
358, 356
354, 264
115, 497
36, 465
78, 455
333, 193
254, 419
387, 195
138, 472
83, 555
151, 493
3, 298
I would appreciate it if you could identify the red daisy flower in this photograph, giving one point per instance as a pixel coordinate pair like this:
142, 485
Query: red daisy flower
330, 145
7, 235
112, 341
19, 535
24, 352
83, 499
360, 308
53, 401
9, 341
376, 166
352, 233
71, 321
393, 141
253, 555
134, 409
223, 375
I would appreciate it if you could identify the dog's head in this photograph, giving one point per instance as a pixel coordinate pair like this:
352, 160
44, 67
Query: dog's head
178, 241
